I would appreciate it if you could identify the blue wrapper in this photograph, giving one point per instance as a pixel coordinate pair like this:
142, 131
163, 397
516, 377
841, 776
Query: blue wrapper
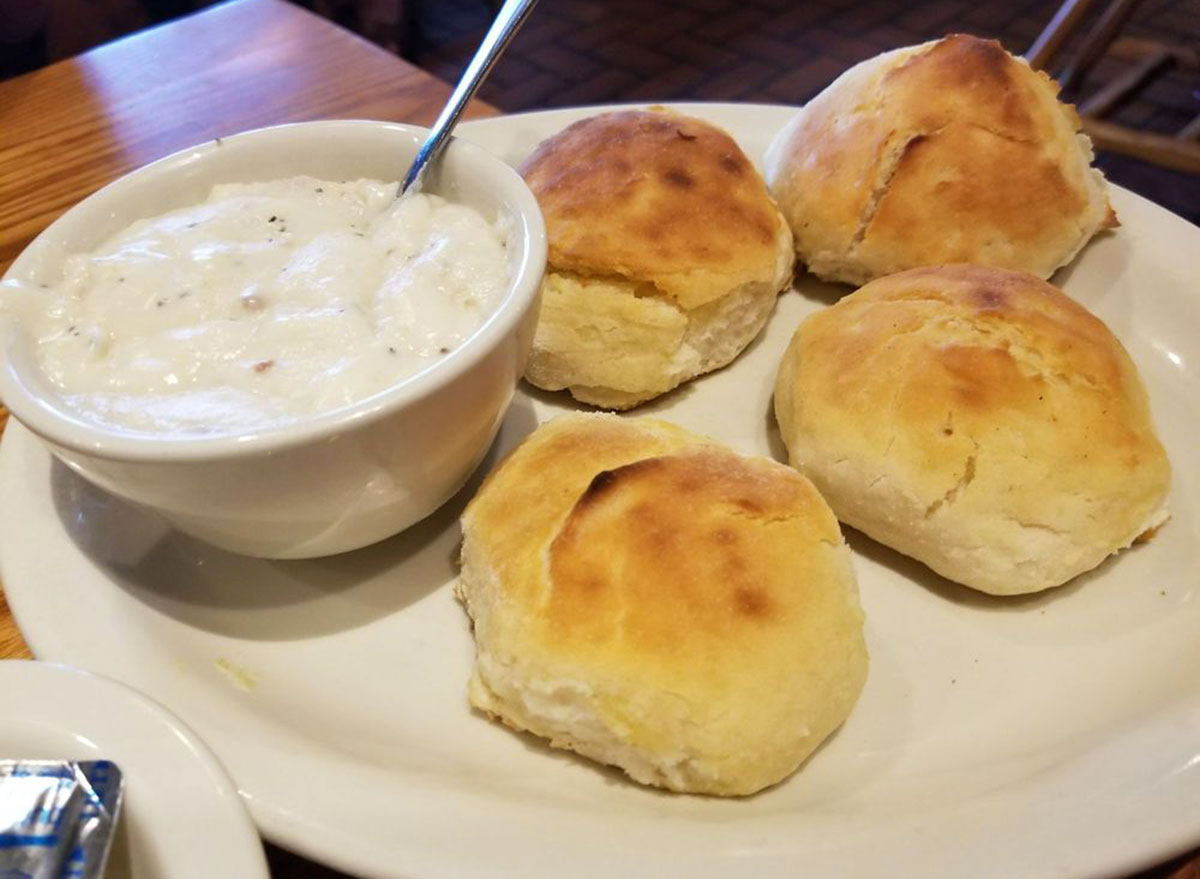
57, 818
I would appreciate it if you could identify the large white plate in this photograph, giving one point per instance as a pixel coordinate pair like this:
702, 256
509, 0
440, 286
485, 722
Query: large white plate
1056, 735
181, 815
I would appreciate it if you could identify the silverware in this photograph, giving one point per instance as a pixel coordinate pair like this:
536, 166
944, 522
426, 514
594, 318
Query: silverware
508, 21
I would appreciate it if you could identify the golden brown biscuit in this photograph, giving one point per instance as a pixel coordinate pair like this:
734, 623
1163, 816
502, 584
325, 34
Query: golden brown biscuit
952, 151
977, 420
651, 600
665, 255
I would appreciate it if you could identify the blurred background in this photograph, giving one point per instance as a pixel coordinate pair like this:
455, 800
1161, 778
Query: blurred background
779, 51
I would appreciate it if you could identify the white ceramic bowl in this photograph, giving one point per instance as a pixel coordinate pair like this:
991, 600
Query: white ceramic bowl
330, 482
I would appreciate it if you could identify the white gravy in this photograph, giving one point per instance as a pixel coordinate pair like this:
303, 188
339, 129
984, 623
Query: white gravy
266, 303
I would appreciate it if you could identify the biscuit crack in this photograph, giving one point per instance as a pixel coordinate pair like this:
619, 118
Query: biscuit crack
1032, 359
1003, 135
1039, 526
890, 164
760, 517
968, 475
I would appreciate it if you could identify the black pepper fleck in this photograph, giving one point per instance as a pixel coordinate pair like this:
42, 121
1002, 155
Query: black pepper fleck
443, 350
391, 350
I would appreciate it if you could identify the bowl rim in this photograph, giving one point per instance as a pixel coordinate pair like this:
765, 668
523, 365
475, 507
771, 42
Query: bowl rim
69, 431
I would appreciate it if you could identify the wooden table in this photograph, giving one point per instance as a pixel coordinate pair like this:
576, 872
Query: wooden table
72, 127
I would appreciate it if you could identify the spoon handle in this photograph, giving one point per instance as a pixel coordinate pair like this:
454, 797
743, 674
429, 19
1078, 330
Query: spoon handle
508, 21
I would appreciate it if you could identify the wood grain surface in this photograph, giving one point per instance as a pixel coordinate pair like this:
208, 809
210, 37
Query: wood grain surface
70, 128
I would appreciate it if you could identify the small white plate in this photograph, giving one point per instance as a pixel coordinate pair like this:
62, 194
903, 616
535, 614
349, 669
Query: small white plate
1051, 736
182, 817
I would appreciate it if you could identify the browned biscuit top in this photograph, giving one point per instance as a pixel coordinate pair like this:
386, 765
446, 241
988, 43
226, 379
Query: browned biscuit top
951, 152
659, 197
670, 546
989, 349
974, 81
661, 551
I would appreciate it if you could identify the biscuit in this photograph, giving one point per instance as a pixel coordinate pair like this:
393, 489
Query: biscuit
978, 420
665, 255
652, 600
952, 151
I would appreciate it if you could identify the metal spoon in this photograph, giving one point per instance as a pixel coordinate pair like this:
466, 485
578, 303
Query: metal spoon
508, 21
